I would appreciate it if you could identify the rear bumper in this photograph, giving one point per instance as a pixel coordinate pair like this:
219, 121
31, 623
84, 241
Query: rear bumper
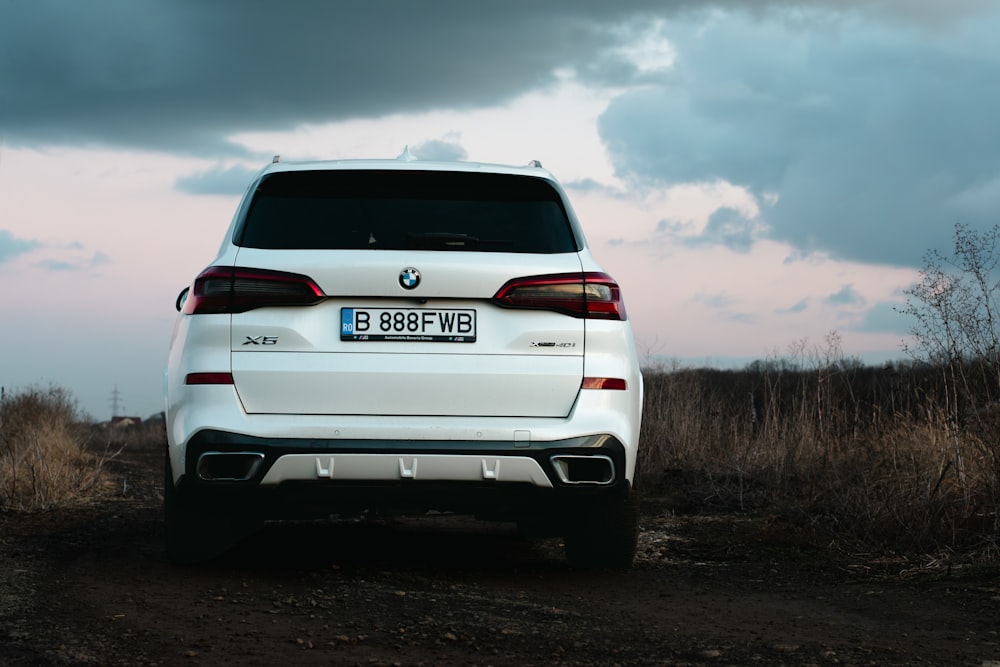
549, 464
293, 478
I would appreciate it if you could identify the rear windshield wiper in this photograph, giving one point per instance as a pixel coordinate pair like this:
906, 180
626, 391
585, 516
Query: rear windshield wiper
449, 241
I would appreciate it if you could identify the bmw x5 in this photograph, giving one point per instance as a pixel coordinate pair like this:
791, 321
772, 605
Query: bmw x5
403, 336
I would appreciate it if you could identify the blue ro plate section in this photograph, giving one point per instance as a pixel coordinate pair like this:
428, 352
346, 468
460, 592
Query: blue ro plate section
431, 325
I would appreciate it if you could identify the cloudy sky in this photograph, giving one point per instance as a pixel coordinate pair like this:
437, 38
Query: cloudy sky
756, 174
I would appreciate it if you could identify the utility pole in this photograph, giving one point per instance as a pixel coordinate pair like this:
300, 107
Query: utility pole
117, 404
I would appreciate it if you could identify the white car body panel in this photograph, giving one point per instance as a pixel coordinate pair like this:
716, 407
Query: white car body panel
406, 384
595, 412
534, 359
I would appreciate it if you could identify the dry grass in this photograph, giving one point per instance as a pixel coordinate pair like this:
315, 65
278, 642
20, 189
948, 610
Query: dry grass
872, 458
866, 459
47, 456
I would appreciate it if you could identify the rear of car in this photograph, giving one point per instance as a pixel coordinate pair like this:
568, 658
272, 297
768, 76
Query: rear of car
383, 336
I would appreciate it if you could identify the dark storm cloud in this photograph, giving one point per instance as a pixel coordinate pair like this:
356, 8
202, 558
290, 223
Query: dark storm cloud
873, 120
727, 227
876, 138
181, 75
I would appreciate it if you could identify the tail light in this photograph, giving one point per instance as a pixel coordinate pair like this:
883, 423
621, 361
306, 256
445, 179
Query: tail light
604, 383
228, 289
589, 295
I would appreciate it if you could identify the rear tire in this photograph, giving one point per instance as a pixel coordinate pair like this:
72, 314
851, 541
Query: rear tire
197, 526
608, 536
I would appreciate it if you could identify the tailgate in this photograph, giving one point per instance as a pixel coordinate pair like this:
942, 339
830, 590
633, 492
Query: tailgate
442, 348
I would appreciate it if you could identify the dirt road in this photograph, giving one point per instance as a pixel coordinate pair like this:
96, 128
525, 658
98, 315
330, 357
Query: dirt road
91, 586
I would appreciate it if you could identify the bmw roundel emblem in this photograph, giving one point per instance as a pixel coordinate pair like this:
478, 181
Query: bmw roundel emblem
409, 278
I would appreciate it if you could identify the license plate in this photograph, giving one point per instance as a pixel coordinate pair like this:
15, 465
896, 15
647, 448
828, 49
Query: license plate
431, 325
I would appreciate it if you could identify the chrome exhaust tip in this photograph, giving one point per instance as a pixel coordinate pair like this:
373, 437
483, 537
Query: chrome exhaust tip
597, 470
229, 466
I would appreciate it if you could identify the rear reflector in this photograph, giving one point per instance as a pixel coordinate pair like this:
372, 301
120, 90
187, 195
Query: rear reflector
590, 295
209, 378
229, 289
603, 383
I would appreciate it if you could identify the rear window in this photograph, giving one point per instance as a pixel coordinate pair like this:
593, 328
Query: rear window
406, 210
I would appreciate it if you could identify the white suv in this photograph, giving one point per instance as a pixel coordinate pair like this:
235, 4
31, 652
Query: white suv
403, 336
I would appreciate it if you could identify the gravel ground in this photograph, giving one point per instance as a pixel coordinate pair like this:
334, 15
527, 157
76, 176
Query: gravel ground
90, 585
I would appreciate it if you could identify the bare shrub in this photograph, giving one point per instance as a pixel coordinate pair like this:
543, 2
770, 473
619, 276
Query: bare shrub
44, 461
131, 447
955, 308
867, 456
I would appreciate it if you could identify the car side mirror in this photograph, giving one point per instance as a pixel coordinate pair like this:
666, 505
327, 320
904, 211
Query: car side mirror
181, 298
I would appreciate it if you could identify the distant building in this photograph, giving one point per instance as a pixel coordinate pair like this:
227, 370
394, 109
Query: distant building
126, 421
